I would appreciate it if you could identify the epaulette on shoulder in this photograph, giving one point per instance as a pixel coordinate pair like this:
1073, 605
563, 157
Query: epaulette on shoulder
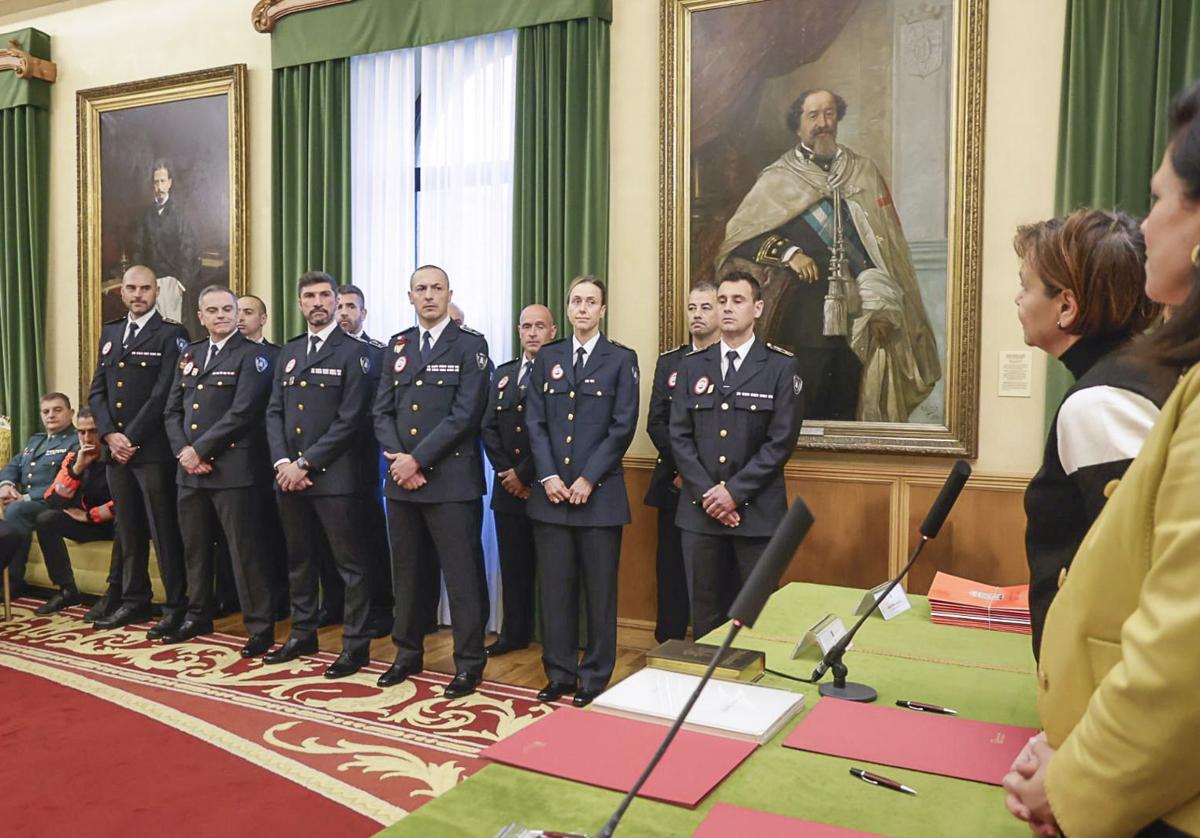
555, 342
618, 344
115, 321
781, 350
377, 344
470, 331
402, 333
300, 336
172, 322
698, 351
673, 349
198, 342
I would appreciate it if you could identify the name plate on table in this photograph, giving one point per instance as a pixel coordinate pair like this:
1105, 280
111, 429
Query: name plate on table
822, 635
893, 604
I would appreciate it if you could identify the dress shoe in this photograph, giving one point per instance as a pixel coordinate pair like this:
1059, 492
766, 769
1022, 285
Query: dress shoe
503, 647
259, 644
397, 673
65, 597
123, 616
292, 649
463, 684
554, 691
585, 697
103, 607
168, 625
328, 618
187, 630
348, 663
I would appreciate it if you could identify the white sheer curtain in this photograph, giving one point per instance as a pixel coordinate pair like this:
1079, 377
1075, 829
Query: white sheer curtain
383, 161
461, 219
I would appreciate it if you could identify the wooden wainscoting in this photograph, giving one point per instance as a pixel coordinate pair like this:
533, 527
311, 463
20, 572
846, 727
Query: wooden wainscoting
866, 523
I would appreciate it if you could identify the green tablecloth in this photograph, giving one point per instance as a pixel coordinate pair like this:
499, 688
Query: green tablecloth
982, 674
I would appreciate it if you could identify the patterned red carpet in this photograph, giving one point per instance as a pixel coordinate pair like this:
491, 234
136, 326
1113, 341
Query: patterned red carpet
377, 752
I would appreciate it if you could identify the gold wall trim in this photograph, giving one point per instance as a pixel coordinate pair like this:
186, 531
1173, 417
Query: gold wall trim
25, 65
267, 12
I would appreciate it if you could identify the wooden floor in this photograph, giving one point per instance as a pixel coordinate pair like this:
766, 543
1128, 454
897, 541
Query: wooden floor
520, 669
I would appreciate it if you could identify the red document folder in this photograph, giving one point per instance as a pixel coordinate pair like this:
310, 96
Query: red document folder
726, 821
611, 752
935, 744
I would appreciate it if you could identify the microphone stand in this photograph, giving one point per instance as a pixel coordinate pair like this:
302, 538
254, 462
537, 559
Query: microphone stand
609, 827
840, 688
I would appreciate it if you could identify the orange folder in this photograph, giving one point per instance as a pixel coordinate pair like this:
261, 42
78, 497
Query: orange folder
935, 744
611, 752
725, 820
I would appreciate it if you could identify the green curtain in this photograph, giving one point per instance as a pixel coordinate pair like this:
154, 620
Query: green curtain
367, 26
1112, 131
560, 176
310, 180
24, 252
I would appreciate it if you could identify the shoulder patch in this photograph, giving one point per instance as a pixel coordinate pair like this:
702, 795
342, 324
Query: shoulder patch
172, 322
781, 350
470, 331
375, 343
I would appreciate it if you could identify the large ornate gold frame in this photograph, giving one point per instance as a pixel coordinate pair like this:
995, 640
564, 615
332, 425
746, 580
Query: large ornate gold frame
958, 435
219, 81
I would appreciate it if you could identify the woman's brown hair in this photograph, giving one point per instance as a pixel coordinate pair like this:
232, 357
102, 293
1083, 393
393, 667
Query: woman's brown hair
1100, 257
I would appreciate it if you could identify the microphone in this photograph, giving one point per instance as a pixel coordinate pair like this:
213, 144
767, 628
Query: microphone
929, 529
761, 583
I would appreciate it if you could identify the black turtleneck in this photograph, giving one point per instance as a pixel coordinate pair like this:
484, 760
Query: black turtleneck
1061, 505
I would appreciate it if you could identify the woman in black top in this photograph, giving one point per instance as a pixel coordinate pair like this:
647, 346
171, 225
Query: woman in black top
1082, 300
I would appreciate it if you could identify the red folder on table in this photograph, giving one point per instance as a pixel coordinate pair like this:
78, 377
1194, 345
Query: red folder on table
725, 821
935, 744
611, 751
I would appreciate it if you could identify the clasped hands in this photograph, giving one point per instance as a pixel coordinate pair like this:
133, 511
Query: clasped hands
1025, 783
120, 447
8, 494
512, 484
405, 471
191, 462
719, 504
557, 491
292, 478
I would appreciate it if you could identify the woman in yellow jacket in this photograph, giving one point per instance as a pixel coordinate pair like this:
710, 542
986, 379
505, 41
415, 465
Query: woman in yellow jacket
1119, 677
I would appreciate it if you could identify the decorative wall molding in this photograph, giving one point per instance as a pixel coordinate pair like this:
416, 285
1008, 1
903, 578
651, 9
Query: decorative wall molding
25, 65
267, 12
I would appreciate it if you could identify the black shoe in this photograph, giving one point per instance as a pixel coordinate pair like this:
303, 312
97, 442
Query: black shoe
553, 691
348, 663
503, 647
397, 673
328, 618
585, 697
463, 684
259, 644
292, 649
103, 607
123, 616
62, 599
187, 630
169, 625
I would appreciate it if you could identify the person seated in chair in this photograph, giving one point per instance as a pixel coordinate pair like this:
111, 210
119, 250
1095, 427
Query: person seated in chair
24, 481
81, 509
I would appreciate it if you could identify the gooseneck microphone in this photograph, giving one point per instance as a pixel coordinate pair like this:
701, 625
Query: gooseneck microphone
929, 529
762, 582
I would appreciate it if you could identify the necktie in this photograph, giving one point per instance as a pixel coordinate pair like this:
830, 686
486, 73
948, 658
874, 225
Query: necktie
731, 368
524, 370
426, 346
131, 334
579, 356
212, 356
314, 342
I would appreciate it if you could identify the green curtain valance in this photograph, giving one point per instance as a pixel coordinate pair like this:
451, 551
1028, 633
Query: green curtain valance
365, 26
16, 92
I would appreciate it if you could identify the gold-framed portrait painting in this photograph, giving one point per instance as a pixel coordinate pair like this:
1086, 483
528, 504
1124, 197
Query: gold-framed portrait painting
162, 183
833, 150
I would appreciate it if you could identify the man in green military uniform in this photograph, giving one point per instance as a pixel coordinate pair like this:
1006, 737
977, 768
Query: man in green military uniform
23, 483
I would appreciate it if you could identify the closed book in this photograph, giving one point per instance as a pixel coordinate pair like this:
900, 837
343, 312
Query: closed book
727, 708
693, 659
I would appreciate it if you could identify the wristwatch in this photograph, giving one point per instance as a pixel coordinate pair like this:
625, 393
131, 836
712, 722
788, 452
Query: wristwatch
302, 462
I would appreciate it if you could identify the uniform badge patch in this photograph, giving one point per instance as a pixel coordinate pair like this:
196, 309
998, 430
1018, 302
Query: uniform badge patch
700, 386
398, 347
181, 343
502, 383
401, 363
365, 363
556, 372
261, 363
291, 365
188, 367
106, 348
195, 371
482, 360
797, 384
672, 379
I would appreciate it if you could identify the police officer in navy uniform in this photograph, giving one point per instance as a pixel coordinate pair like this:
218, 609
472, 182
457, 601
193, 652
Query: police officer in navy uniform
583, 407
505, 437
24, 481
428, 410
316, 409
663, 493
215, 422
734, 424
137, 359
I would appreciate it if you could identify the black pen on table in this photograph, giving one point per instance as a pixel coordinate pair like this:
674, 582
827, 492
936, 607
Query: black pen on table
926, 708
878, 780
